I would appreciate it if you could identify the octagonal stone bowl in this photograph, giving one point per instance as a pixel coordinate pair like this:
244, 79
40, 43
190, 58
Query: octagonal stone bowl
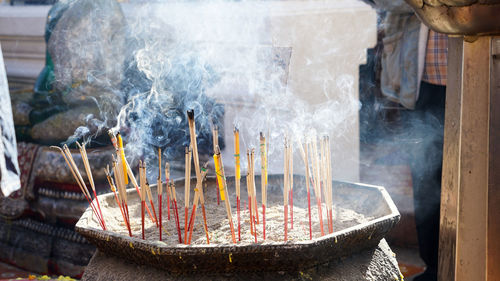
371, 201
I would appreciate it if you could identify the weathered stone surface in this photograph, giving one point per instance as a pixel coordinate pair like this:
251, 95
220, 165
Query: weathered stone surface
42, 248
21, 107
88, 44
51, 166
371, 265
59, 127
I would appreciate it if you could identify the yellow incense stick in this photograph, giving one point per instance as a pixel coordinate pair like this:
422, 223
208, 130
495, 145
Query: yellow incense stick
237, 160
218, 172
122, 155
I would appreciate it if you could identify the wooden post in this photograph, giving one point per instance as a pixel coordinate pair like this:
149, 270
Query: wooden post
470, 212
493, 227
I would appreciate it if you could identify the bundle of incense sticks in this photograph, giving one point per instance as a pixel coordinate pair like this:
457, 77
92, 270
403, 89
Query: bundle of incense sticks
148, 193
251, 193
327, 180
237, 175
305, 157
224, 195
317, 180
263, 181
199, 178
318, 174
197, 196
120, 197
159, 189
187, 189
215, 141
173, 198
122, 164
68, 157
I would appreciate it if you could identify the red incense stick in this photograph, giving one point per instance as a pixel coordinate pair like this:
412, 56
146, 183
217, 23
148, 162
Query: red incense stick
264, 221
239, 226
176, 212
143, 205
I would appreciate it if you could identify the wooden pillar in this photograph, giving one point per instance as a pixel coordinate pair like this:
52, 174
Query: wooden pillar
493, 227
470, 217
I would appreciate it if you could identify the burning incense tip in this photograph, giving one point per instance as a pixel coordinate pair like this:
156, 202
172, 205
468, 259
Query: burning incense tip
190, 114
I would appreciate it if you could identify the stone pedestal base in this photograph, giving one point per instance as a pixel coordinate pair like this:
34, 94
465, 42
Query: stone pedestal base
375, 264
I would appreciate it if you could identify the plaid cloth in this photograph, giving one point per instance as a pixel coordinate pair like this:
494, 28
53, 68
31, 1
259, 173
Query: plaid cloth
436, 59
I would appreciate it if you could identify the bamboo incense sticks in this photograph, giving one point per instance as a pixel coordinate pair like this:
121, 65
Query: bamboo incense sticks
305, 157
159, 189
224, 195
252, 208
317, 185
172, 197
194, 145
121, 192
86, 164
78, 177
328, 181
254, 189
315, 153
187, 189
237, 175
120, 205
263, 181
125, 167
197, 198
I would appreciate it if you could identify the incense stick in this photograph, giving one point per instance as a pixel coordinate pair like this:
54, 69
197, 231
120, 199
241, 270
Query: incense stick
285, 190
122, 156
196, 199
237, 175
305, 158
159, 190
81, 184
254, 189
125, 167
194, 145
215, 141
263, 181
172, 188
224, 195
121, 192
113, 188
317, 185
167, 178
254, 193
329, 181
86, 164
187, 189
249, 192
142, 179
150, 196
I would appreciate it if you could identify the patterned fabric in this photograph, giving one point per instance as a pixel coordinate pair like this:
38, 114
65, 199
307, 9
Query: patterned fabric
436, 59
13, 206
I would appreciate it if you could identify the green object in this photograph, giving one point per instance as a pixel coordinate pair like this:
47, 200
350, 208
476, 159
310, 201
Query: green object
46, 101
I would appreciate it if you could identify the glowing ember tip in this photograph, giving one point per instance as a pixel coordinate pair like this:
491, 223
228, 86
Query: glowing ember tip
190, 114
